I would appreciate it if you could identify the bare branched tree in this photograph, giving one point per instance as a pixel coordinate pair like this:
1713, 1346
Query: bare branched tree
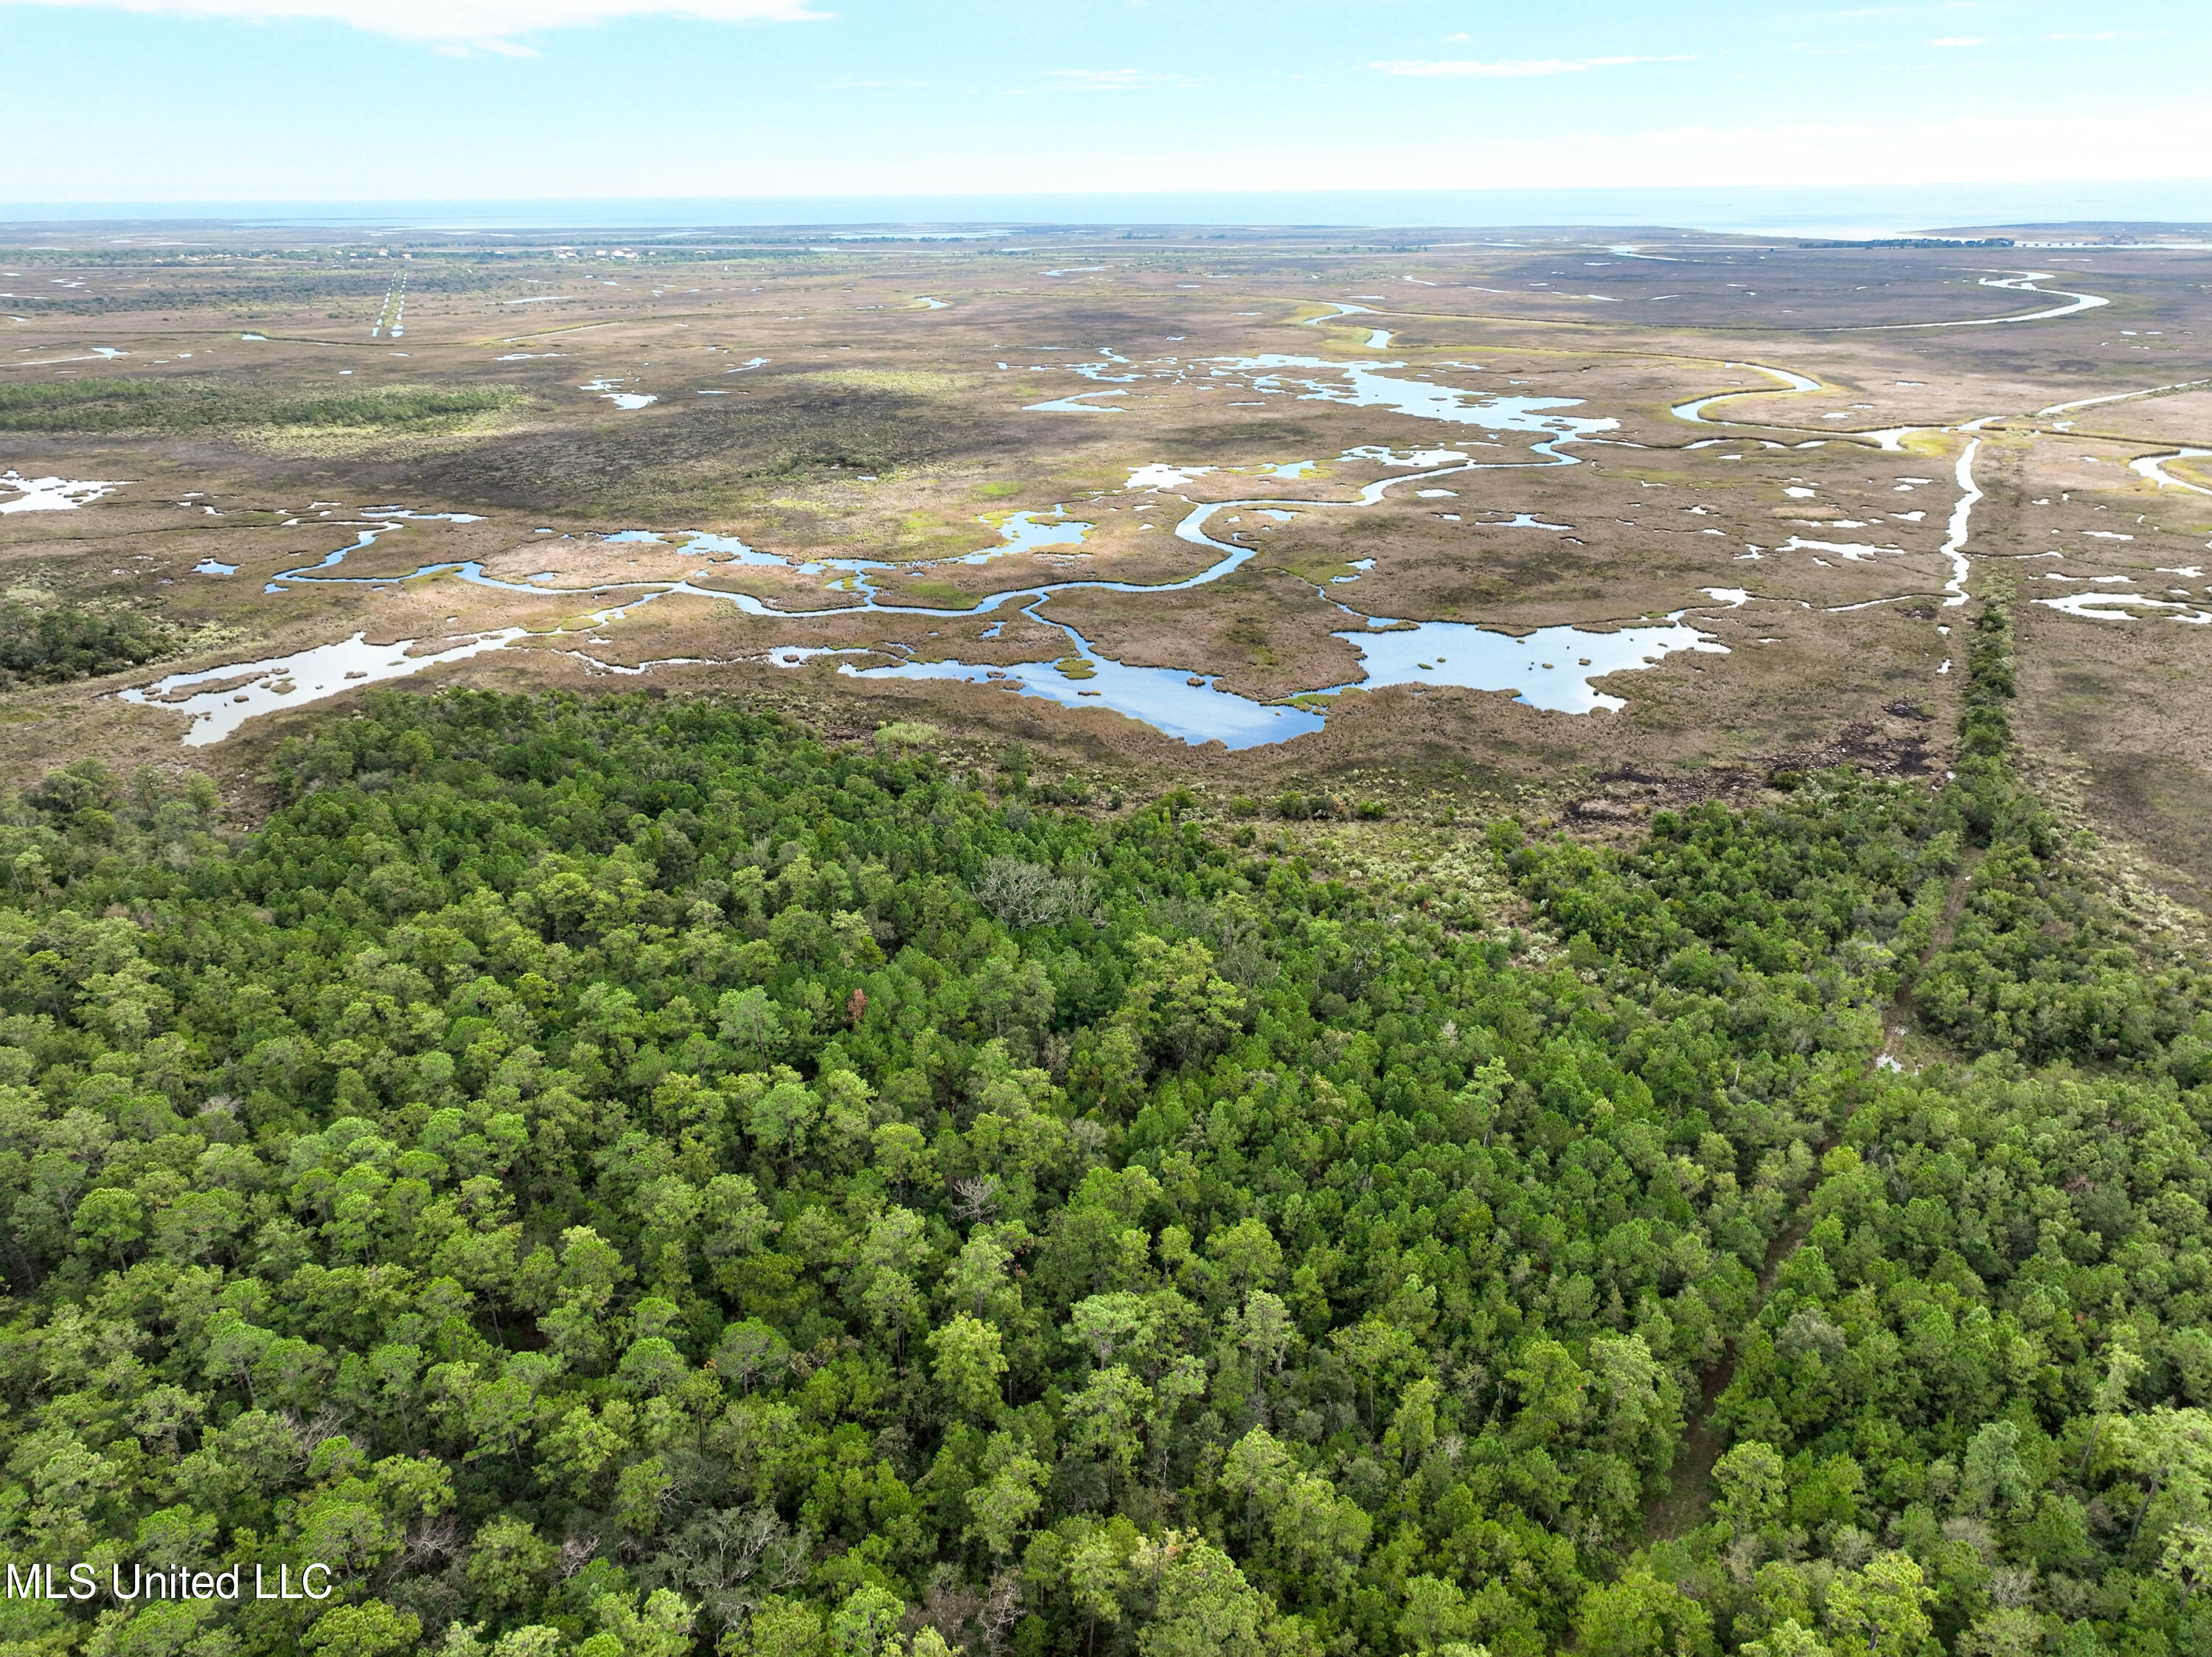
1025, 895
576, 1552
1002, 1608
975, 1198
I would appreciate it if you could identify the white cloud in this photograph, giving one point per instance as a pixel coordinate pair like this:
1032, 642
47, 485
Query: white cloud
1115, 79
474, 22
496, 48
1510, 68
1960, 40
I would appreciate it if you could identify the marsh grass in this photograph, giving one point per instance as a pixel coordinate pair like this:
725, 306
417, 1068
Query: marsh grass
913, 382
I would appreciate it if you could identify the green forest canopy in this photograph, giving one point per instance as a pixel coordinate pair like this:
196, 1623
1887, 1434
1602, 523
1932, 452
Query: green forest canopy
51, 647
624, 1177
191, 403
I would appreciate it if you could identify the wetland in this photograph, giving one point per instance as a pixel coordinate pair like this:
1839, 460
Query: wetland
1159, 944
1434, 512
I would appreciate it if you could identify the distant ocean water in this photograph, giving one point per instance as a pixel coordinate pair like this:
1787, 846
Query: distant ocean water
1860, 211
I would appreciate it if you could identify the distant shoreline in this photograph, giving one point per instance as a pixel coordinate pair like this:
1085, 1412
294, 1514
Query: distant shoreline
1858, 211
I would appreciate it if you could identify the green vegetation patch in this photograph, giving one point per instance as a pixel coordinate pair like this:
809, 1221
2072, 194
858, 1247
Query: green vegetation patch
626, 1177
51, 647
920, 382
672, 461
191, 405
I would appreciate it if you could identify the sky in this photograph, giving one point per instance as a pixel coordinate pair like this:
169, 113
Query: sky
333, 100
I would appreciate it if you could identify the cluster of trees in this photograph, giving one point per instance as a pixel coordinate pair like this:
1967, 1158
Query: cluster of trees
1295, 808
247, 281
625, 1178
53, 646
212, 404
1974, 1403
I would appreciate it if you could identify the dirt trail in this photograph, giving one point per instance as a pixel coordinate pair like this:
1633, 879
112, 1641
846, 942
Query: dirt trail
1681, 1506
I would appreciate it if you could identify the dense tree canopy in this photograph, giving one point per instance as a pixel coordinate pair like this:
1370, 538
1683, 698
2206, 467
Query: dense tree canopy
51, 647
625, 1178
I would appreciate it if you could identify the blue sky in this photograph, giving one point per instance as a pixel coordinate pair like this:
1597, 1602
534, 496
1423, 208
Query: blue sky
427, 100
